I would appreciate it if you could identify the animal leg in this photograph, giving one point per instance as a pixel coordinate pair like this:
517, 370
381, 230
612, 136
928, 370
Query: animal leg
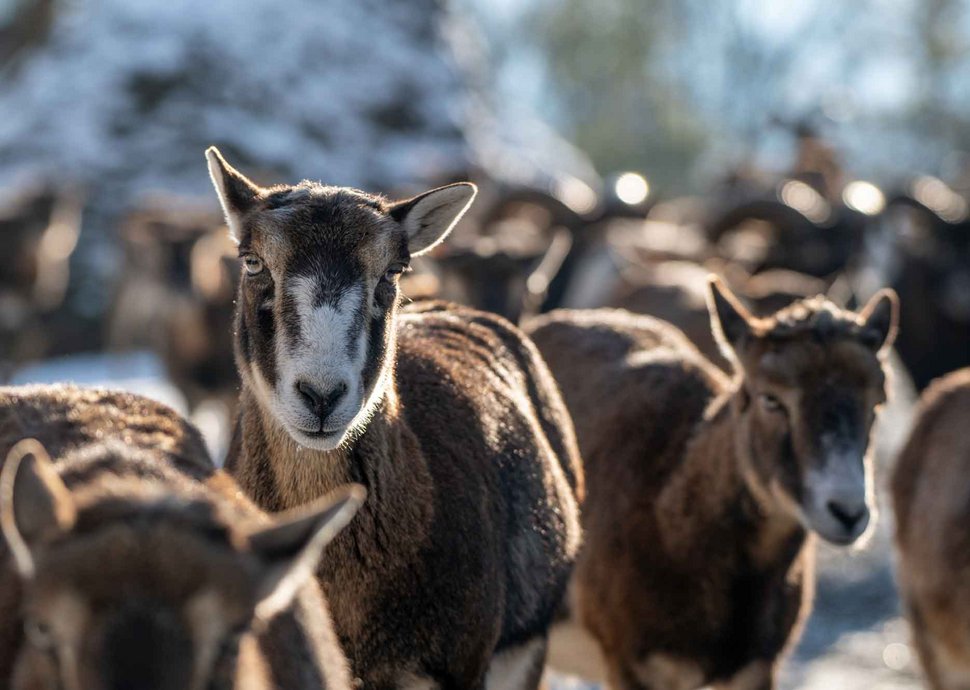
518, 668
935, 676
923, 641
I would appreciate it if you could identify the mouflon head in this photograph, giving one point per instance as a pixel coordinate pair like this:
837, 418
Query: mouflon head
319, 289
127, 585
812, 381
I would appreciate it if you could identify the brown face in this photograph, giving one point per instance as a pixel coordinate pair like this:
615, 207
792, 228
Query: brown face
317, 296
122, 607
314, 335
811, 412
813, 383
152, 590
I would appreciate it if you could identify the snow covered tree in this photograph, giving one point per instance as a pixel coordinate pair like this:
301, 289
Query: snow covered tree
124, 96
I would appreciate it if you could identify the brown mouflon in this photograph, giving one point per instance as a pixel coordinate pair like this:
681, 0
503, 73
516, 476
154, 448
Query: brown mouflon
703, 491
452, 572
931, 496
129, 561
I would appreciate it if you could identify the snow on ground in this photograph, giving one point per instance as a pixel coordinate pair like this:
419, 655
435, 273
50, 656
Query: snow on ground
856, 638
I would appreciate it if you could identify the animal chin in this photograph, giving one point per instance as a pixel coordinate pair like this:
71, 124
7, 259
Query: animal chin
335, 432
319, 440
838, 537
833, 533
307, 432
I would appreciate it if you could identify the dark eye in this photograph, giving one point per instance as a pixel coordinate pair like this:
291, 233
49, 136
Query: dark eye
38, 634
771, 403
253, 264
391, 274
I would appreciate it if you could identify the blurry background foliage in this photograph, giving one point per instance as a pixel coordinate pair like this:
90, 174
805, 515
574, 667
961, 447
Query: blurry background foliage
684, 89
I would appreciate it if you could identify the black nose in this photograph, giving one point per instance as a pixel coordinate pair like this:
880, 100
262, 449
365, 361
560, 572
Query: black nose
848, 516
319, 403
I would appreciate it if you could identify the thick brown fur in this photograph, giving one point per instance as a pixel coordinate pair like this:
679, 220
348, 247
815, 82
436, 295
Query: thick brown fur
931, 496
696, 568
140, 475
448, 416
430, 577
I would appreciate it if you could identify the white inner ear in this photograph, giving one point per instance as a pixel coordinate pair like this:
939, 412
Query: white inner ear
435, 214
23, 559
219, 182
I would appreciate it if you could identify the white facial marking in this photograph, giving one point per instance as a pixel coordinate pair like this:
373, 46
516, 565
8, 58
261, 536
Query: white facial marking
329, 354
840, 482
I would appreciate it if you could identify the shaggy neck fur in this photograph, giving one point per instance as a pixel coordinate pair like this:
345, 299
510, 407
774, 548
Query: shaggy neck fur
390, 528
302, 474
383, 456
716, 485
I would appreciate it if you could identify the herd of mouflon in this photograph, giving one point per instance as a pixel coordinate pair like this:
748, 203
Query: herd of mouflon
412, 489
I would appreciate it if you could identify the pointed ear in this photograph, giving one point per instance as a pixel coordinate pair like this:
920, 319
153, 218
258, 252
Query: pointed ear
429, 217
880, 320
237, 194
34, 502
290, 548
730, 321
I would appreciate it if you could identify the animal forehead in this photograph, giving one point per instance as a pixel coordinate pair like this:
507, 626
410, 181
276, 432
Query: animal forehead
308, 227
807, 364
162, 563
